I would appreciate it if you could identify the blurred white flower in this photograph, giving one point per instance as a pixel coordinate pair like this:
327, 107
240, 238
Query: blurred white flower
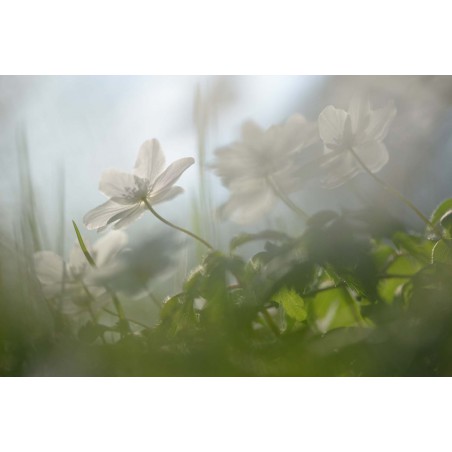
360, 130
127, 191
251, 168
74, 280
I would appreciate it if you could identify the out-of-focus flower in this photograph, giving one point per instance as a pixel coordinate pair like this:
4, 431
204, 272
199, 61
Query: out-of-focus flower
360, 131
73, 280
251, 168
127, 191
131, 271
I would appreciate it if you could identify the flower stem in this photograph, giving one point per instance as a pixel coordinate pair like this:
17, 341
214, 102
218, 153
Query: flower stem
395, 192
286, 200
185, 231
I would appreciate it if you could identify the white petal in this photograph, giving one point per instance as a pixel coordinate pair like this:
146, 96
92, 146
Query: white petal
49, 267
380, 121
129, 216
108, 246
331, 124
340, 169
373, 154
50, 271
251, 132
116, 184
359, 111
150, 161
101, 215
165, 195
172, 173
248, 207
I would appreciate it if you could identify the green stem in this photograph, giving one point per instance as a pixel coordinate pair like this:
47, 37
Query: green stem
171, 225
286, 200
108, 311
395, 192
91, 312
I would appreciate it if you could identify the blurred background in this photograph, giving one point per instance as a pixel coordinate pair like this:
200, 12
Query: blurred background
71, 128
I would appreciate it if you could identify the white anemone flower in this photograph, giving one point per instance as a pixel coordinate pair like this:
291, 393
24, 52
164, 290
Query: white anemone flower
359, 131
127, 191
263, 160
74, 280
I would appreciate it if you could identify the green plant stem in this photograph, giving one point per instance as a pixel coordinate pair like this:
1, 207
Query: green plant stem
91, 312
171, 225
108, 311
286, 200
395, 192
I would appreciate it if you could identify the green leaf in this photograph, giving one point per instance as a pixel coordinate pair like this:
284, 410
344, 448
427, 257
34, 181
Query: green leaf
83, 246
381, 255
440, 211
446, 223
263, 235
390, 288
292, 303
442, 252
334, 308
404, 265
417, 246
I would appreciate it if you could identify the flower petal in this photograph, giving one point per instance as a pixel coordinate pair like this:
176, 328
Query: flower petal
172, 173
379, 122
359, 110
246, 207
49, 267
128, 217
165, 195
340, 169
101, 215
331, 124
373, 154
251, 133
150, 161
116, 184
108, 246
50, 271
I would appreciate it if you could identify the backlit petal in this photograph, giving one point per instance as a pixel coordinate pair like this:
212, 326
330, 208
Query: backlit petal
116, 184
129, 217
331, 124
165, 195
172, 174
101, 215
373, 154
379, 122
150, 161
359, 111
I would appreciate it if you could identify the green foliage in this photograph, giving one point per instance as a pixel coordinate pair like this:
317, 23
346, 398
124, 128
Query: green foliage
441, 211
292, 303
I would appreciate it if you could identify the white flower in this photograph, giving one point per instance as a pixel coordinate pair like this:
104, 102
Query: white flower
360, 130
127, 191
264, 157
73, 280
